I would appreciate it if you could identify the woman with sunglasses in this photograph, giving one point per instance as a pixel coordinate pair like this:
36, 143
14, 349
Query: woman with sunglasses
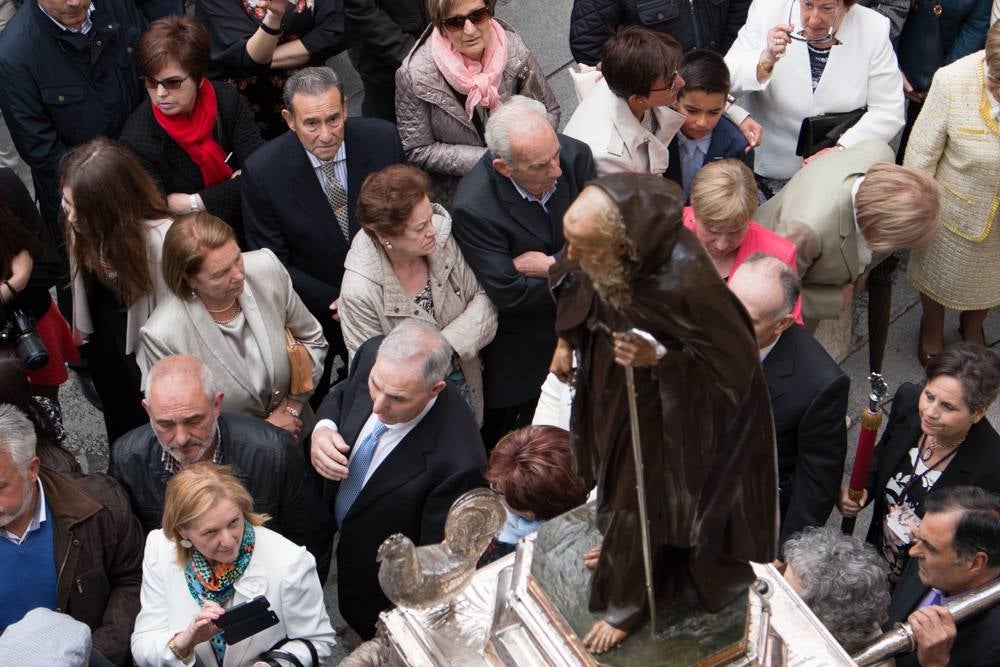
794, 59
626, 117
465, 65
194, 134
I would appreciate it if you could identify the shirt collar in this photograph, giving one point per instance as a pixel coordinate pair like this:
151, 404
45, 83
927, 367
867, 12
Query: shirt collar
36, 521
543, 200
864, 251
173, 466
339, 157
84, 27
688, 145
415, 420
764, 351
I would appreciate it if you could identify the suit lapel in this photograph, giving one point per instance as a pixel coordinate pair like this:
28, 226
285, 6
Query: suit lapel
260, 333
357, 168
963, 468
213, 341
308, 194
848, 232
780, 365
529, 215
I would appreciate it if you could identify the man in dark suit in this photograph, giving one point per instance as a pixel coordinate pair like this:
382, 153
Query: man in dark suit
398, 445
956, 549
808, 395
507, 217
300, 192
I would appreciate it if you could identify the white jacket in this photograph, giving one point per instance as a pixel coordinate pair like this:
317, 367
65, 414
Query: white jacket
861, 71
283, 572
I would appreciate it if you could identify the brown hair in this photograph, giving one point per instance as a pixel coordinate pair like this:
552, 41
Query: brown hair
724, 195
993, 49
532, 468
114, 198
181, 39
897, 207
195, 490
388, 197
185, 245
438, 10
15, 238
635, 57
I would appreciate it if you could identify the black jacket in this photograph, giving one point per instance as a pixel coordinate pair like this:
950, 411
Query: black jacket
266, 459
809, 402
409, 493
709, 24
173, 170
382, 33
493, 224
976, 462
978, 641
60, 89
285, 210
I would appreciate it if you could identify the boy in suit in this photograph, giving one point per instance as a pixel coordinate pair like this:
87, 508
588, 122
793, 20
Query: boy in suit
706, 135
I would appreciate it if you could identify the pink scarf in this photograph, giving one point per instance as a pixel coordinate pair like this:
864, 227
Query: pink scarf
478, 81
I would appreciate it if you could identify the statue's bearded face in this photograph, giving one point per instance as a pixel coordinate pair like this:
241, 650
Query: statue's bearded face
595, 237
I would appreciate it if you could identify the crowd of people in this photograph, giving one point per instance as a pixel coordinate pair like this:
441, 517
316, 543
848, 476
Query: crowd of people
304, 327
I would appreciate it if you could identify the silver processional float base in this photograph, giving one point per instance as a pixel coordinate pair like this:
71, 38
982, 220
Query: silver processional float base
530, 608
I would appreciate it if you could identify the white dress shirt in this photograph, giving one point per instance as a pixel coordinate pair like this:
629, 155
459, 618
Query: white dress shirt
394, 434
339, 166
36, 521
84, 28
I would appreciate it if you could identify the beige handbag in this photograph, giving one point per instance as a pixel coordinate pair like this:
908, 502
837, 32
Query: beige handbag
301, 364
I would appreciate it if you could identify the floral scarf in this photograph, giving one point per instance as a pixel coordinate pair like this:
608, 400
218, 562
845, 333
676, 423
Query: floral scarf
215, 581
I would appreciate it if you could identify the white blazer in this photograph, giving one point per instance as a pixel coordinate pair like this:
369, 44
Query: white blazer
861, 71
282, 571
142, 309
616, 138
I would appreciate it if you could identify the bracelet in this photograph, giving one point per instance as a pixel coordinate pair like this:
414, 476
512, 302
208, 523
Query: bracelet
173, 649
193, 203
274, 32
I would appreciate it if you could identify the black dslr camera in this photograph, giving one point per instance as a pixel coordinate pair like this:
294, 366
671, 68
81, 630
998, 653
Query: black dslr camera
18, 328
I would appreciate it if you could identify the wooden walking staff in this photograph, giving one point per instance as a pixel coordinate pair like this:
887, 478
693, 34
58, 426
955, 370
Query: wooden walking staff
640, 488
871, 420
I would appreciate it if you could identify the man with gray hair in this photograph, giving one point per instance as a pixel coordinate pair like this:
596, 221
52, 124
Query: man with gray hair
68, 542
397, 444
186, 425
808, 393
507, 217
300, 192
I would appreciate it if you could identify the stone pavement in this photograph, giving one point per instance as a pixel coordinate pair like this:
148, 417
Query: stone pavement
544, 26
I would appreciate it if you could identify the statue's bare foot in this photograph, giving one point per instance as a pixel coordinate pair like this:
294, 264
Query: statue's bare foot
602, 637
591, 557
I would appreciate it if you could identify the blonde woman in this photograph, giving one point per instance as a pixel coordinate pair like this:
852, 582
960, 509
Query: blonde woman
213, 553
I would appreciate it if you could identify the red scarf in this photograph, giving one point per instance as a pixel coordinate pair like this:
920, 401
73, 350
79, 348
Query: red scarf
194, 135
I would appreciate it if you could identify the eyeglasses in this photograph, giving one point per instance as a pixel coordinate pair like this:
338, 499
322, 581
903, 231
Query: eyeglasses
456, 23
800, 35
173, 83
669, 86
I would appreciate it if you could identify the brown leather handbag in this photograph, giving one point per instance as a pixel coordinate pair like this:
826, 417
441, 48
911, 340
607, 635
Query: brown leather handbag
301, 364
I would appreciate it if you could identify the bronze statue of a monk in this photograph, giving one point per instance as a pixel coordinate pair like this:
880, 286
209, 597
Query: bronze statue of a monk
704, 415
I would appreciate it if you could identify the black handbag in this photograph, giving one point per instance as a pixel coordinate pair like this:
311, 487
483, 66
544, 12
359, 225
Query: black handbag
920, 50
824, 130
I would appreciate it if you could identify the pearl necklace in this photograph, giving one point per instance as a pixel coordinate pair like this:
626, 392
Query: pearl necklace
231, 319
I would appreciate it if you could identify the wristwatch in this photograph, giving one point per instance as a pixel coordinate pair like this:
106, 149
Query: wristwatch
193, 203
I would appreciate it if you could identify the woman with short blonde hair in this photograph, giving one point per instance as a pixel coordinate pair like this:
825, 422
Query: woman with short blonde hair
214, 553
724, 199
897, 207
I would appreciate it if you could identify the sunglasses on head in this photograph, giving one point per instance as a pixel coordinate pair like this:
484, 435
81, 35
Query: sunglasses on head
173, 83
456, 23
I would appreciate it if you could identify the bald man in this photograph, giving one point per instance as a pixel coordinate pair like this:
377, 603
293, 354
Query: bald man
187, 425
808, 394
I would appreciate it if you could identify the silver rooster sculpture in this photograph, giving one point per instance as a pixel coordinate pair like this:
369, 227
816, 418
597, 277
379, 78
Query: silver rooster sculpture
434, 574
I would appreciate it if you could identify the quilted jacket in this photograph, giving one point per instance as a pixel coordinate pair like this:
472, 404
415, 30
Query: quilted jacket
437, 134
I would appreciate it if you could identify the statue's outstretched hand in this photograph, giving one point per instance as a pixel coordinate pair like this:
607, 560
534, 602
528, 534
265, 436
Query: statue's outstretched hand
637, 348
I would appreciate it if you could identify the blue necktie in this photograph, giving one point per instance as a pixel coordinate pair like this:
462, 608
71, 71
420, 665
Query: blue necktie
351, 487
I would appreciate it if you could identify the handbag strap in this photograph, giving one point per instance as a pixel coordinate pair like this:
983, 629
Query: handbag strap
272, 655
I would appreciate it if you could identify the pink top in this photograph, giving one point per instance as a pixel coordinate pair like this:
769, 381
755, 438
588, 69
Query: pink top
759, 239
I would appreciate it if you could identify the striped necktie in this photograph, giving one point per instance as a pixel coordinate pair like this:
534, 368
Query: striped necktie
336, 196
351, 487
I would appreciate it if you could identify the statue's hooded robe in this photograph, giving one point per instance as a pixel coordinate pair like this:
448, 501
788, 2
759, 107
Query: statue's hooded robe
704, 415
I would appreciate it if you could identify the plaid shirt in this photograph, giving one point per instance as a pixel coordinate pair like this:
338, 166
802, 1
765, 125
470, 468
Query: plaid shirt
173, 466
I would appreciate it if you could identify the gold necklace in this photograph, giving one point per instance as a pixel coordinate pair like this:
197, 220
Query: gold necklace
222, 310
231, 319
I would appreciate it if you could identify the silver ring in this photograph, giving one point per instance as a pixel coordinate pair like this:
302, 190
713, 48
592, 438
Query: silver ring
292, 411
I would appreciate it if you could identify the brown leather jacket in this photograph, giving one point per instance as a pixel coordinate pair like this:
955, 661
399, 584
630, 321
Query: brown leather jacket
97, 545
